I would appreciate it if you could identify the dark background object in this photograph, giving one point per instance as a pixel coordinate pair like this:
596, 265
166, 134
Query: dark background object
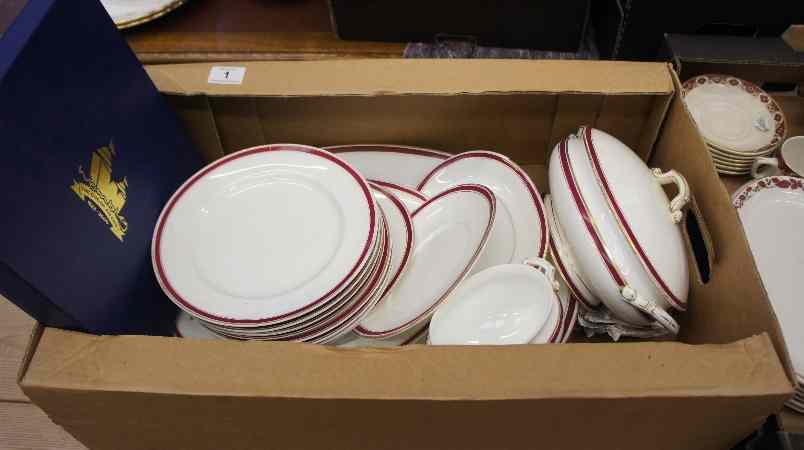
91, 154
634, 29
541, 25
760, 60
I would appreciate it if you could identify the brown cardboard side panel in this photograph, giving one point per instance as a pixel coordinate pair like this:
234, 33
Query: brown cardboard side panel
273, 369
133, 420
653, 123
196, 116
572, 111
626, 117
522, 126
733, 303
515, 124
417, 76
238, 123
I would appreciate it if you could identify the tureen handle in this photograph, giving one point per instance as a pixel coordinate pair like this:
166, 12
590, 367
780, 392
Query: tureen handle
650, 308
681, 199
543, 266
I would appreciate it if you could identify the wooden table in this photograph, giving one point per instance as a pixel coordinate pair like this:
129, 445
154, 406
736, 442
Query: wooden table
232, 30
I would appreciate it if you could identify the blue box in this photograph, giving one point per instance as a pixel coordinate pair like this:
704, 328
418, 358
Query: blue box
91, 154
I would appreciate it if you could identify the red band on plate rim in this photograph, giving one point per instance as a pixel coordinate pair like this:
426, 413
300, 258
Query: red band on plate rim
157, 238
388, 148
583, 211
399, 187
409, 238
534, 193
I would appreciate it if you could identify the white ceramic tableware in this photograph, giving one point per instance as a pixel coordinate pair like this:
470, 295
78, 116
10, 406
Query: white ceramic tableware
450, 231
400, 226
264, 235
570, 306
520, 228
612, 207
790, 159
501, 305
415, 335
129, 13
551, 333
328, 312
398, 164
734, 114
188, 326
411, 198
346, 318
772, 213
561, 253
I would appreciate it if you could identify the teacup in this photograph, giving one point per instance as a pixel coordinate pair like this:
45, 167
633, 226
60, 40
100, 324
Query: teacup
790, 160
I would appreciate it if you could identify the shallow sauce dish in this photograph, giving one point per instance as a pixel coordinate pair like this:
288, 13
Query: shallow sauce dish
502, 305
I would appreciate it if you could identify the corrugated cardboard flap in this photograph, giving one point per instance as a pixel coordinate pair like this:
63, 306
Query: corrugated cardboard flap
74, 361
396, 77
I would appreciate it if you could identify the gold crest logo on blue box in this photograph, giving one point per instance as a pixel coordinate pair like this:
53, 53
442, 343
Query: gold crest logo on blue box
103, 194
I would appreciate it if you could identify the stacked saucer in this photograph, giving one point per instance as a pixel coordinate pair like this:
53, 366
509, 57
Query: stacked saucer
280, 242
739, 121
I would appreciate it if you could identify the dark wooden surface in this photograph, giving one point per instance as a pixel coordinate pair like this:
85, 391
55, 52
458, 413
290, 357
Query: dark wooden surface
229, 30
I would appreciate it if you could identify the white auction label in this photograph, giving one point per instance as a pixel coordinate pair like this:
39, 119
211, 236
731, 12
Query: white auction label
226, 75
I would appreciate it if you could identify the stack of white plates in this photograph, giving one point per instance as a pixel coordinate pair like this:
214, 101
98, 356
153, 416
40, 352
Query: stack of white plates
739, 121
280, 242
772, 211
354, 245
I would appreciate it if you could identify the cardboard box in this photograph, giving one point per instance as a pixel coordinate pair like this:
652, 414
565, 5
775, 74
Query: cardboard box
92, 152
540, 25
727, 373
762, 61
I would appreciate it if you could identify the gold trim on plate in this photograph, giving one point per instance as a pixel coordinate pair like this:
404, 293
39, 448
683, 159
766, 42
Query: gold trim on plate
150, 16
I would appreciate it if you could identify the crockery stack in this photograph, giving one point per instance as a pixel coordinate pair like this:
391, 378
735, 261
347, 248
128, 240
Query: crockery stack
377, 245
615, 236
739, 121
279, 242
771, 210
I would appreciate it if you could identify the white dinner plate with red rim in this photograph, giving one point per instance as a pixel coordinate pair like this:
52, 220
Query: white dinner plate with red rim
343, 320
398, 164
450, 232
264, 267
520, 227
190, 327
734, 114
357, 299
771, 210
400, 227
374, 295
411, 198
327, 312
